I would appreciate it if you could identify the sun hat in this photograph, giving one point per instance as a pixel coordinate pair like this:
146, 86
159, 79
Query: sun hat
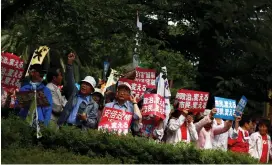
90, 80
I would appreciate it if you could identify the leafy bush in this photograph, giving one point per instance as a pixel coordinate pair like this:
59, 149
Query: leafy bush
36, 155
128, 149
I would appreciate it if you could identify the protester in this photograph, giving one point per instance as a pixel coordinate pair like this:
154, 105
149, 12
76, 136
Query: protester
36, 78
153, 127
253, 125
54, 79
80, 110
206, 131
240, 143
260, 143
126, 102
221, 141
180, 128
99, 99
109, 97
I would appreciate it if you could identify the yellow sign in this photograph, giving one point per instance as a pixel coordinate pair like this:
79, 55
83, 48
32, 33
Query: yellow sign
39, 55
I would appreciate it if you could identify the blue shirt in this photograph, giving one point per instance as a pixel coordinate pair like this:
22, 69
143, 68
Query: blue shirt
73, 115
127, 106
44, 113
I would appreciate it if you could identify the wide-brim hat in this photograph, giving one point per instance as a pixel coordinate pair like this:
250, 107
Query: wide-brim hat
90, 80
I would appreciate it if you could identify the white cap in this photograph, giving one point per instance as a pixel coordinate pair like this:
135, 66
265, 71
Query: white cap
125, 84
90, 80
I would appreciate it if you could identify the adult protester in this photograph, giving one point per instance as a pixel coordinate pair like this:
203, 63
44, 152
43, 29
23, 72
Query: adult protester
81, 110
241, 142
54, 79
180, 128
260, 143
35, 83
126, 102
206, 131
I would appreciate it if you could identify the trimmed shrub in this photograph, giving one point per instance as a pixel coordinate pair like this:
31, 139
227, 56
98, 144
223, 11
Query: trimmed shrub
37, 155
128, 149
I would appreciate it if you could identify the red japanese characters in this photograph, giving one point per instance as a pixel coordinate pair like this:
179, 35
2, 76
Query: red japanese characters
147, 76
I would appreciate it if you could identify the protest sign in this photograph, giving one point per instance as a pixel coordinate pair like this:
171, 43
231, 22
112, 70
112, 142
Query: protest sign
225, 108
115, 120
241, 106
153, 104
147, 76
25, 98
11, 71
195, 101
137, 88
149, 125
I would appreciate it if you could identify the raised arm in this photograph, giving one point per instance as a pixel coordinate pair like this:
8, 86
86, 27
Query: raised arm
207, 119
192, 129
174, 124
69, 75
220, 130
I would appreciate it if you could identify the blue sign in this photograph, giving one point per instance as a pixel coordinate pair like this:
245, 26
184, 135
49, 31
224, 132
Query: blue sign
225, 108
241, 105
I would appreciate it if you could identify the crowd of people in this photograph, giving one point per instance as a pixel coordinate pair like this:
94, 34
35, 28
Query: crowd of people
82, 106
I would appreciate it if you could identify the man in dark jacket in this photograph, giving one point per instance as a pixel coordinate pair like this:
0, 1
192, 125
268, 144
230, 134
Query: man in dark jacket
80, 110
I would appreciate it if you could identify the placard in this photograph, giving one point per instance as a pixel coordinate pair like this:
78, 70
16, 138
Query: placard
147, 76
225, 108
195, 101
154, 104
25, 98
114, 120
241, 106
11, 71
137, 88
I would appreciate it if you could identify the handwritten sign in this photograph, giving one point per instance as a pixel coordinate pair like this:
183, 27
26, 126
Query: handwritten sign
147, 76
194, 100
25, 98
225, 108
12, 68
153, 104
137, 88
115, 120
241, 105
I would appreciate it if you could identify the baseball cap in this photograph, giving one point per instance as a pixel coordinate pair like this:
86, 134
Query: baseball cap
124, 85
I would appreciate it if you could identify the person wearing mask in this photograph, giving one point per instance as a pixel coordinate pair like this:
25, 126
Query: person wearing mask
221, 141
126, 102
36, 78
260, 143
54, 79
81, 110
241, 142
180, 128
206, 131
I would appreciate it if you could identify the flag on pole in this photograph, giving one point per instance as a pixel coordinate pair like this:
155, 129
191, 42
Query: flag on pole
136, 59
32, 117
139, 24
39, 55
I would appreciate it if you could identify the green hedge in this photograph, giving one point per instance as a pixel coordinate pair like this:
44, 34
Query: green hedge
128, 149
38, 155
